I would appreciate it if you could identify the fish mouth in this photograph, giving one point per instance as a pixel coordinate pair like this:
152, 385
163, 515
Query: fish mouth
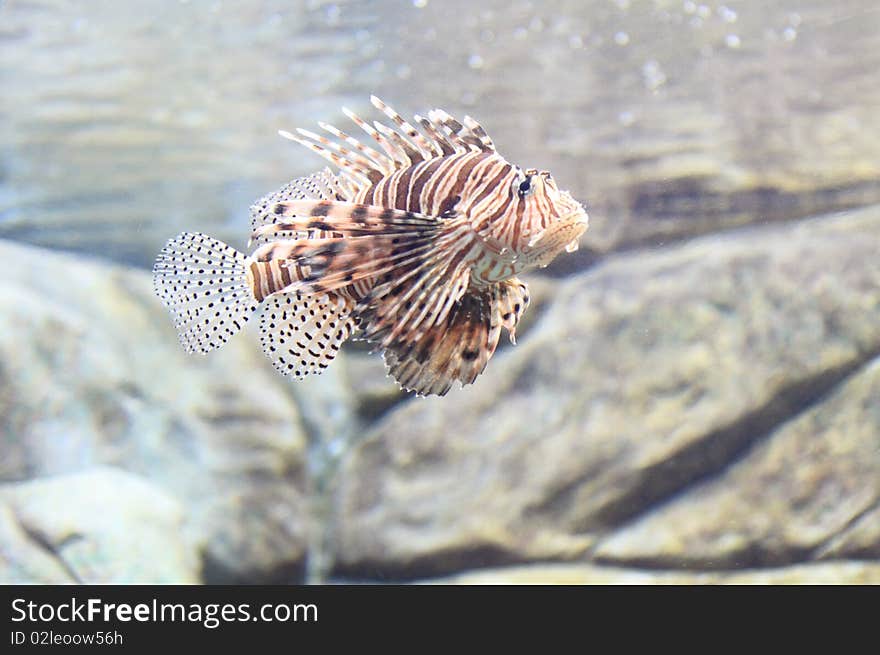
569, 227
580, 221
578, 217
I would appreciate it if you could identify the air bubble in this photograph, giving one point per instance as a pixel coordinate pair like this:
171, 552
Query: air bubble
728, 15
653, 75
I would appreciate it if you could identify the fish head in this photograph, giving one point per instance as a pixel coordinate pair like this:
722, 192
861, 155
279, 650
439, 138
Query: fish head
551, 220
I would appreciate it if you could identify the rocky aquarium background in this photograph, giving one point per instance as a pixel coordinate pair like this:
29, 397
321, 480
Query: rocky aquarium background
695, 396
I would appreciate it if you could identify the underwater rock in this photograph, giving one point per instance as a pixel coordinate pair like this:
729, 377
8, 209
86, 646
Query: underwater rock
100, 526
375, 390
91, 373
24, 560
846, 572
648, 375
807, 489
860, 539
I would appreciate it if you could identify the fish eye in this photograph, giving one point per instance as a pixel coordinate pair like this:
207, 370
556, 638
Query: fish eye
525, 187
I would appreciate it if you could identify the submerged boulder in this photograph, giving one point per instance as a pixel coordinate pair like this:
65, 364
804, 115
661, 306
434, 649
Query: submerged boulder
91, 373
729, 363
100, 526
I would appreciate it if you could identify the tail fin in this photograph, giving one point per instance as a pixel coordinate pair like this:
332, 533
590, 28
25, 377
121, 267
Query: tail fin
203, 283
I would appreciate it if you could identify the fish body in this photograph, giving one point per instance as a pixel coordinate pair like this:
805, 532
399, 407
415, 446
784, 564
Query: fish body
415, 247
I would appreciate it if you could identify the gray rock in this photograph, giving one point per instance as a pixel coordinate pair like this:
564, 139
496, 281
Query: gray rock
810, 488
648, 374
91, 373
859, 539
101, 526
23, 559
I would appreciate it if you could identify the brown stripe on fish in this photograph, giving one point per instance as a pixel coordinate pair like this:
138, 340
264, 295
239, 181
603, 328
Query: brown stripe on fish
426, 172
492, 209
258, 286
284, 269
401, 186
450, 188
436, 189
496, 191
270, 277
321, 209
514, 227
429, 185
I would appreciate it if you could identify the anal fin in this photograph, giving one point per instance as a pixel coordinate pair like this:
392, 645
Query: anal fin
302, 333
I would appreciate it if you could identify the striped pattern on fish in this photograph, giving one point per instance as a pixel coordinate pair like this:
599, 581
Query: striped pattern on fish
414, 247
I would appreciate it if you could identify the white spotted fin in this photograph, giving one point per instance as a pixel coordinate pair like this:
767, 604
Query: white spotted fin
301, 334
203, 283
209, 288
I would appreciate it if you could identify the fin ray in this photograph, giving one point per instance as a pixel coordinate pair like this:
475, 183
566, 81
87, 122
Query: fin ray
323, 185
459, 347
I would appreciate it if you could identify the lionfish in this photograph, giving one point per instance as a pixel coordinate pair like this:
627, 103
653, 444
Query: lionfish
414, 248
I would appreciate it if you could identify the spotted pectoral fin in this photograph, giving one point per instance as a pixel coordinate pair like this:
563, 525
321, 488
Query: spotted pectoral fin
301, 334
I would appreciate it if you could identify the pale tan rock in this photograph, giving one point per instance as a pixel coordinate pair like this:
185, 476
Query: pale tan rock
813, 482
843, 572
860, 539
101, 526
91, 373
